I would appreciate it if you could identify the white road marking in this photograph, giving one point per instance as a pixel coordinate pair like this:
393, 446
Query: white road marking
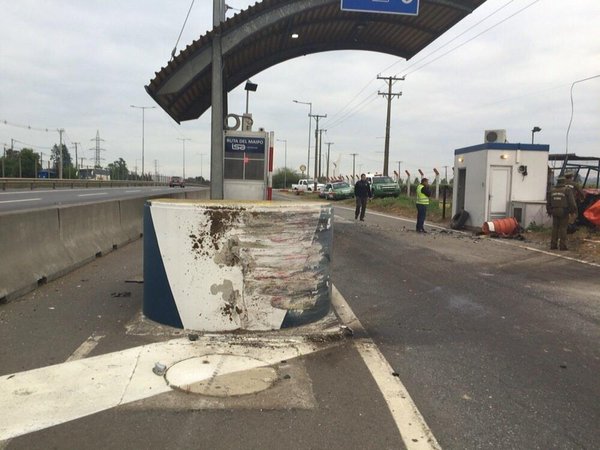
412, 426
498, 241
131, 192
94, 194
393, 217
81, 352
23, 200
86, 348
49, 396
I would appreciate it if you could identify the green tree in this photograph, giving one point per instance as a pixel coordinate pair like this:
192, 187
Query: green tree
118, 170
284, 174
68, 169
20, 163
29, 163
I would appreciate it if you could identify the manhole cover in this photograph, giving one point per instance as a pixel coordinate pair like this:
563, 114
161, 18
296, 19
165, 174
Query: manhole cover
221, 375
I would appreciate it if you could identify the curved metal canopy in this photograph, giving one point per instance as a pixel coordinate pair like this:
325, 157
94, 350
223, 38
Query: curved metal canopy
261, 37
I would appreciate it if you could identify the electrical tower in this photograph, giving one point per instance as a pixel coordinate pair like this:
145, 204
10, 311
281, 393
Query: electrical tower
389, 96
97, 150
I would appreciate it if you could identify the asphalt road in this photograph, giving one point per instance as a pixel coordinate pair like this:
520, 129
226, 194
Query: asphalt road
497, 346
16, 200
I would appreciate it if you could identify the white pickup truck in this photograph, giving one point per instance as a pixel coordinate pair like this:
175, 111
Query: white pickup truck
306, 185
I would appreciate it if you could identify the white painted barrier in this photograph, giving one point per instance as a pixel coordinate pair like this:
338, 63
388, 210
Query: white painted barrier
221, 265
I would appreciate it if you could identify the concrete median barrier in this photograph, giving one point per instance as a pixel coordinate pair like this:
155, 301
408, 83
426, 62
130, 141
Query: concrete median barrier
40, 245
31, 252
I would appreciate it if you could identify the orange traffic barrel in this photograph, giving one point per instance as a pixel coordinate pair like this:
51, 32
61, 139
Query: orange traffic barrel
501, 226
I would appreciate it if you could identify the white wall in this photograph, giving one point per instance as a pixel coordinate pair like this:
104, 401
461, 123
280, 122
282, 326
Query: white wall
475, 186
528, 188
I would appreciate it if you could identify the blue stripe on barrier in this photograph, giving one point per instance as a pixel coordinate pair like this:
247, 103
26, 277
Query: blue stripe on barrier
159, 304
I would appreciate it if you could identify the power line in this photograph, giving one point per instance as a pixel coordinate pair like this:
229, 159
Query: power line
360, 105
474, 37
181, 32
451, 40
28, 127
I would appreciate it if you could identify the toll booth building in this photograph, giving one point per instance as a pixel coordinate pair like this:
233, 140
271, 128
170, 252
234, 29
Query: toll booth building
497, 180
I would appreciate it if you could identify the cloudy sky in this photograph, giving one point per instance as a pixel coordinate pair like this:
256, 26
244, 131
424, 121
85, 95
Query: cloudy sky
79, 65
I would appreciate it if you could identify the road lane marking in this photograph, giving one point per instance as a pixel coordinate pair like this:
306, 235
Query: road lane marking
22, 200
94, 194
465, 233
85, 348
41, 398
131, 192
81, 352
410, 423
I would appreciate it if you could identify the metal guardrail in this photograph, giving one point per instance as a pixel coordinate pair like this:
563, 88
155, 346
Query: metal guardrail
53, 183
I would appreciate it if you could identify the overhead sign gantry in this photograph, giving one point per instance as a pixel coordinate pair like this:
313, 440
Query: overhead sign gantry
409, 7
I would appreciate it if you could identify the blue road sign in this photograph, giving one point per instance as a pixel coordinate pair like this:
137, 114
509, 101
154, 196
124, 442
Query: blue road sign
409, 7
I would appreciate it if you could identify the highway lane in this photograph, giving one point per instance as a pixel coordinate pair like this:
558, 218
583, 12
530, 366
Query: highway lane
16, 200
497, 346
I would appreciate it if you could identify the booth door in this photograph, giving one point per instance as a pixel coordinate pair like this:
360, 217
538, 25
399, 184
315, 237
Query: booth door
499, 195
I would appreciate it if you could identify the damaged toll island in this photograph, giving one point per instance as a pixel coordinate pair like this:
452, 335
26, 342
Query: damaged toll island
221, 265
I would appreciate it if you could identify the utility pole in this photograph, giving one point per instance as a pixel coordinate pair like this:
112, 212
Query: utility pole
183, 142
317, 117
399, 162
353, 165
201, 165
328, 149
309, 129
389, 96
446, 174
76, 160
321, 151
3, 160
217, 105
60, 153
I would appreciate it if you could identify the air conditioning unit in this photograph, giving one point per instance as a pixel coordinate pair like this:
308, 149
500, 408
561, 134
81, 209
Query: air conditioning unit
494, 136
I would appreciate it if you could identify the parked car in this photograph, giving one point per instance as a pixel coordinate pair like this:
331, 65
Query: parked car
338, 190
176, 181
383, 186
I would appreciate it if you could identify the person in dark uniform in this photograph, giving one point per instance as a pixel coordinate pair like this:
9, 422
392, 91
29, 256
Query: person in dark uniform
362, 193
561, 203
577, 193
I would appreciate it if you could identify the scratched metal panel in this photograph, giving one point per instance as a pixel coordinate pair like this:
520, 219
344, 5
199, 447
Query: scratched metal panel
243, 265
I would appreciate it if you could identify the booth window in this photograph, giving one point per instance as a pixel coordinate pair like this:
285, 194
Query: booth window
244, 166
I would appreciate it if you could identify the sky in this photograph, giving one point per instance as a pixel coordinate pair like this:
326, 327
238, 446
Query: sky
511, 64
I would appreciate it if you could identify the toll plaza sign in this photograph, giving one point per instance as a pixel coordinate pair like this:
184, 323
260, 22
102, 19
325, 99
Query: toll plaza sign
245, 144
408, 7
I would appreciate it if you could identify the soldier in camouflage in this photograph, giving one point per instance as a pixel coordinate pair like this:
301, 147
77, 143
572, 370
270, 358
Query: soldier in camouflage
577, 193
561, 203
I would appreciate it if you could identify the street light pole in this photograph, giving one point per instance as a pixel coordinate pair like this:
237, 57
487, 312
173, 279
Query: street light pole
534, 130
143, 108
183, 142
284, 163
354, 155
309, 130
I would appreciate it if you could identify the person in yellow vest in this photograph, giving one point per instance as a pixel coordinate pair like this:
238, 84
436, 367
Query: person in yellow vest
561, 203
423, 194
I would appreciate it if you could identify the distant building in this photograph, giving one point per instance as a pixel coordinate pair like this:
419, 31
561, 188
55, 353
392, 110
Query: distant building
94, 174
46, 173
